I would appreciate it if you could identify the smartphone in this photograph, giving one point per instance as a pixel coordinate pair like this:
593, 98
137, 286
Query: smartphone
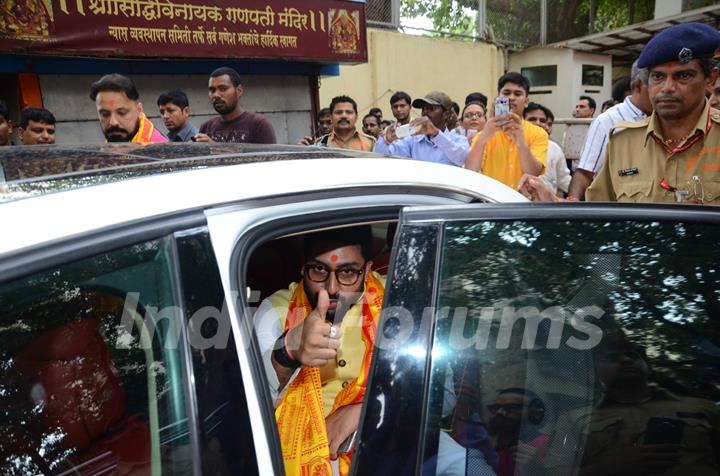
405, 130
664, 431
502, 105
348, 445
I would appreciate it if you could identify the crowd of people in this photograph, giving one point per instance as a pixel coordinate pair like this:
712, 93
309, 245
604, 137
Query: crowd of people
670, 96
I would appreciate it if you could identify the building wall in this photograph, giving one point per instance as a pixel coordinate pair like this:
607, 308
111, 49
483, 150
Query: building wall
416, 65
284, 100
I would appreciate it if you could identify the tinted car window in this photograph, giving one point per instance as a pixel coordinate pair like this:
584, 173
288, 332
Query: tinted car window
225, 434
567, 346
91, 375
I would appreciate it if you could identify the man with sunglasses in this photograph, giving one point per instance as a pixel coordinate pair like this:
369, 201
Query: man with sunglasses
431, 141
316, 338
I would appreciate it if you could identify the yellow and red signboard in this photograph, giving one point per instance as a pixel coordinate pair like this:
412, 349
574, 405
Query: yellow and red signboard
319, 30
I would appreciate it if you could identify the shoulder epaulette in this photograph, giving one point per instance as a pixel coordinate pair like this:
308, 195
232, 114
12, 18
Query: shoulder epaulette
624, 125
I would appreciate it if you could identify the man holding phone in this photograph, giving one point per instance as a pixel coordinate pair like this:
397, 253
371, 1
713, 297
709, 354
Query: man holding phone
426, 138
508, 145
640, 428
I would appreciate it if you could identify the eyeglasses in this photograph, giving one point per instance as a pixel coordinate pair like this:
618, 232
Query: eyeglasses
318, 273
473, 115
508, 407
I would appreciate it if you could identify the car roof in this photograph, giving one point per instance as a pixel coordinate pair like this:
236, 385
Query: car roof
37, 170
48, 218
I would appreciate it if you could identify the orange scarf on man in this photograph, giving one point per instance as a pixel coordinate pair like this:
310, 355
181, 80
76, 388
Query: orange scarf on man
147, 134
300, 418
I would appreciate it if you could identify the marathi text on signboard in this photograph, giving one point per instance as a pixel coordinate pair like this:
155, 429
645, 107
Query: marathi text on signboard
325, 30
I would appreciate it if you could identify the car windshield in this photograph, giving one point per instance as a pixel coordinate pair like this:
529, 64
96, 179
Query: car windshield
566, 347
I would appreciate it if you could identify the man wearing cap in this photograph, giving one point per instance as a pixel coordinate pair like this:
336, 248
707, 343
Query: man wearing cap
509, 146
671, 156
431, 140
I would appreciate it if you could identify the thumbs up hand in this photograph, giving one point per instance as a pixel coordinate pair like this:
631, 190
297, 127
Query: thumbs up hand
315, 341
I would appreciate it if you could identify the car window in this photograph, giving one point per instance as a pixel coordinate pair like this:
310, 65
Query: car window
225, 434
92, 379
566, 347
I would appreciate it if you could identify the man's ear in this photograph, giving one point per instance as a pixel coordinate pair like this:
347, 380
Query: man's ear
239, 89
712, 78
186, 111
139, 107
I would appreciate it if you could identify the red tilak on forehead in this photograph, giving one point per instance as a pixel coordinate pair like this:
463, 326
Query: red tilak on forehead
334, 258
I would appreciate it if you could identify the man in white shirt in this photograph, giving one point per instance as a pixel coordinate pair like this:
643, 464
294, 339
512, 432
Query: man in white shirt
635, 107
556, 176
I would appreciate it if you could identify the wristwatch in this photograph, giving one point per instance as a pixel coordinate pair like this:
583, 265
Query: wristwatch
281, 354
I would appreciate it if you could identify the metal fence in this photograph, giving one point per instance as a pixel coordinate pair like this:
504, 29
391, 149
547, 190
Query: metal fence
383, 13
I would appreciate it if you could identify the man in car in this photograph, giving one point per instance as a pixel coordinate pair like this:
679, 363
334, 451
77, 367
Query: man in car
37, 126
120, 111
431, 141
234, 124
669, 156
634, 107
316, 338
5, 125
508, 145
400, 107
175, 112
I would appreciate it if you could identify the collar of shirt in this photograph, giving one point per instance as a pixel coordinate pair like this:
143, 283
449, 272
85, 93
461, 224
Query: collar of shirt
184, 134
702, 127
355, 136
635, 111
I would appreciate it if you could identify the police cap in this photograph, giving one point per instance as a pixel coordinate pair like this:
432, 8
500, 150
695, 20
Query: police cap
683, 43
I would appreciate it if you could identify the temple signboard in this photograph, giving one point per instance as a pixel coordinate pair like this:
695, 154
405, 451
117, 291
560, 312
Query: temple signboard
316, 30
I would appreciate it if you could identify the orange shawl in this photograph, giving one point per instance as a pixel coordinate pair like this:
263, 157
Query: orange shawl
147, 133
300, 419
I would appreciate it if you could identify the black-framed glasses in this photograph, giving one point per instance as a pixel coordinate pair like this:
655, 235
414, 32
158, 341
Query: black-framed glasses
507, 407
347, 276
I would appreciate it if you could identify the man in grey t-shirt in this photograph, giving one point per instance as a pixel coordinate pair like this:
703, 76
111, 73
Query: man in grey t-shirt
234, 124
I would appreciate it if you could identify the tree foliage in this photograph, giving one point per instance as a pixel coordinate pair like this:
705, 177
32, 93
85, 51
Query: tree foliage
517, 22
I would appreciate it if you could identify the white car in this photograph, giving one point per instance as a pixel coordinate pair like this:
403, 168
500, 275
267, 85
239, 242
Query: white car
129, 276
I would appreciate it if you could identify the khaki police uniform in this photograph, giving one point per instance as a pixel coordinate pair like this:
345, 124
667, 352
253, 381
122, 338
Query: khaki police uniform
358, 141
639, 162
607, 431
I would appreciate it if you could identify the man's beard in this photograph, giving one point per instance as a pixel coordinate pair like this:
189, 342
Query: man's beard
344, 303
224, 108
127, 137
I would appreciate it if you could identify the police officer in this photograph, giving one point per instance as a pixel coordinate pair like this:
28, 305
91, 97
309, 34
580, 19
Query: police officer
673, 155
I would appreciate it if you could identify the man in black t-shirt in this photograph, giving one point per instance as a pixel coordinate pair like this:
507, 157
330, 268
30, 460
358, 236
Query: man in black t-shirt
234, 124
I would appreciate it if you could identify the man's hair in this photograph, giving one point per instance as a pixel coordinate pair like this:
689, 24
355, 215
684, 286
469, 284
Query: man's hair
591, 101
116, 83
324, 112
478, 98
371, 115
455, 107
533, 106
607, 104
4, 112
399, 96
622, 86
707, 65
515, 78
36, 114
174, 96
232, 74
338, 99
637, 74
375, 110
327, 240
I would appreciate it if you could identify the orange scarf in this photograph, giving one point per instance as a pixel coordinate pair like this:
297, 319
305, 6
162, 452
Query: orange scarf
300, 418
146, 132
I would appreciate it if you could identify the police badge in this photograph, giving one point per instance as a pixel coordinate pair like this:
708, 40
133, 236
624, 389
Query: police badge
685, 55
